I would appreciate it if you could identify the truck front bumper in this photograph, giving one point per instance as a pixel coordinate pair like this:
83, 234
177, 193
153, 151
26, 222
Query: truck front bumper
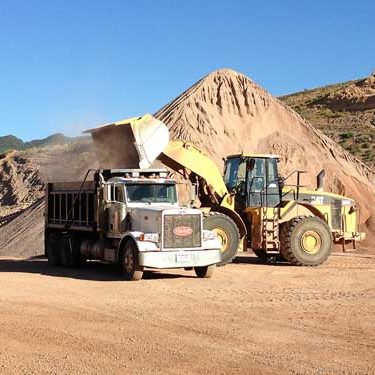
179, 259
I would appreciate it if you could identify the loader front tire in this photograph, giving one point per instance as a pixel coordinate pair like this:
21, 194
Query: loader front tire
227, 232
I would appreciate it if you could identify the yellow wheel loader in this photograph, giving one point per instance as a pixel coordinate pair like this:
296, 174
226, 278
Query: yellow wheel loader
251, 203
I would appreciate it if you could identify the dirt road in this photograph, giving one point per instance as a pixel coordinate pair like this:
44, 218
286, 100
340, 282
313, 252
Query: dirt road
250, 318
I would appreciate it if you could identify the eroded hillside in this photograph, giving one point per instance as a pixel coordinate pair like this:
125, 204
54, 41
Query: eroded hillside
345, 112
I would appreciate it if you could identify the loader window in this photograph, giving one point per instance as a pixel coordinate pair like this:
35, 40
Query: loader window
262, 183
235, 173
256, 175
272, 179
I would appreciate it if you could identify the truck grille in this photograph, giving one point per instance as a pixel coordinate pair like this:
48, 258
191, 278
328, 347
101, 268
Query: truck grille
182, 231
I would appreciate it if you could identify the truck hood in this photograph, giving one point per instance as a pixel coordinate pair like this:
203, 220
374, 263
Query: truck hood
160, 208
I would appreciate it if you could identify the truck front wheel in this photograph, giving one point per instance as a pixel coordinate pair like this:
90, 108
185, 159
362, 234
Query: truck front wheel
204, 272
129, 262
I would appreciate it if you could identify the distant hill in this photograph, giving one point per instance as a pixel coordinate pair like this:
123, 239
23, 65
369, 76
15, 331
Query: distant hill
345, 112
10, 142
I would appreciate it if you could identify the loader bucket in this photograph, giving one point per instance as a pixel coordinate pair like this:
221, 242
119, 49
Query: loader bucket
130, 143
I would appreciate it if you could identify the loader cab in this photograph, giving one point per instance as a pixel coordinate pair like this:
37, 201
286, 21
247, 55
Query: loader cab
254, 180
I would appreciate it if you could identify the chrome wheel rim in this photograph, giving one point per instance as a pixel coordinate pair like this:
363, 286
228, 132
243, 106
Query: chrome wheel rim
128, 261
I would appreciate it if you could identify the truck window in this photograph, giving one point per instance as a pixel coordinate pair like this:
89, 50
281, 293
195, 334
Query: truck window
119, 193
151, 193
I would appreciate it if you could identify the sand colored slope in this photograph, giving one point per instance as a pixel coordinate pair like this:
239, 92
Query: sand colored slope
20, 183
22, 180
23, 174
227, 113
23, 236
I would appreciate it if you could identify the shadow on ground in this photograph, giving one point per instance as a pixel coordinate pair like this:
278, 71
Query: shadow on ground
95, 271
98, 271
250, 258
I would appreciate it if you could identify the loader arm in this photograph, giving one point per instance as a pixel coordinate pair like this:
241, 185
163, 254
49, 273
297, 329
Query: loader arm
186, 159
190, 162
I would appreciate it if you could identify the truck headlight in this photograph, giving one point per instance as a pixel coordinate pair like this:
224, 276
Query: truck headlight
151, 237
209, 235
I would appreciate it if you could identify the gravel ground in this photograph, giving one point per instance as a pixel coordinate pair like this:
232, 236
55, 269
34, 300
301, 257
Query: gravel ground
249, 318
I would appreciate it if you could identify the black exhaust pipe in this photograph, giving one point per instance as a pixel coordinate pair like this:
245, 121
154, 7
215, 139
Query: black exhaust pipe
320, 180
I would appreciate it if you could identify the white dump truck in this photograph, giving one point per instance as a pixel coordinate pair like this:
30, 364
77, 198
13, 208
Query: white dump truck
130, 217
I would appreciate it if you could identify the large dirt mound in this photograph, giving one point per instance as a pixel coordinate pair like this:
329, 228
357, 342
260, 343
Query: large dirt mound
226, 113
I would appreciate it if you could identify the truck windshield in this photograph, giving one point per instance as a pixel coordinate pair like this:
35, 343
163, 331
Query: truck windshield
151, 193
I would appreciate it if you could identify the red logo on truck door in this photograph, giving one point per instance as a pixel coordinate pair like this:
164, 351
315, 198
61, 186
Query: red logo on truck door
182, 231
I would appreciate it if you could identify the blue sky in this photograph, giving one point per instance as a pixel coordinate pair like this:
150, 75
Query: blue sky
69, 65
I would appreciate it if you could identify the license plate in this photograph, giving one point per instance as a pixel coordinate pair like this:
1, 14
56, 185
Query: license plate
183, 257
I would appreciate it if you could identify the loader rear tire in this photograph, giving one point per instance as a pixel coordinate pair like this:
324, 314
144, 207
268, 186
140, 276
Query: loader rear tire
227, 232
305, 241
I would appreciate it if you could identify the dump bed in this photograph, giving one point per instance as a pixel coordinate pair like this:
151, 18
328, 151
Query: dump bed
72, 205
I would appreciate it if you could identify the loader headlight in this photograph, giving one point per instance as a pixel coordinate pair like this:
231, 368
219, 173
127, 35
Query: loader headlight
151, 237
209, 235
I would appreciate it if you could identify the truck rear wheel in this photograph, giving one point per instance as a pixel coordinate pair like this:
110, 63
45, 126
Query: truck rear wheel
205, 272
53, 249
227, 232
305, 241
69, 252
129, 262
